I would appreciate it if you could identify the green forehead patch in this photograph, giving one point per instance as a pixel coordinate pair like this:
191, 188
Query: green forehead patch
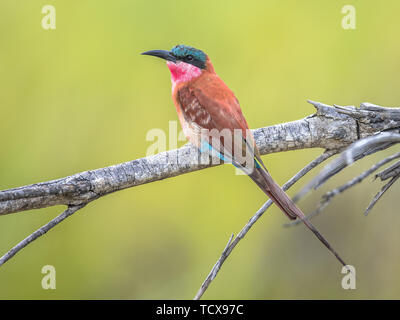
182, 51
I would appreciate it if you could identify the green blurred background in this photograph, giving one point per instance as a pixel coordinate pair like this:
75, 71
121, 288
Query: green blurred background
81, 97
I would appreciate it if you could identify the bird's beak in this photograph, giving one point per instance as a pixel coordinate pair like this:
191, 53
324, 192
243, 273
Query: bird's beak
163, 54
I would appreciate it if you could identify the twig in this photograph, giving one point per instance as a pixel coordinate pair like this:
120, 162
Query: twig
354, 152
381, 193
327, 197
387, 173
213, 273
38, 233
232, 244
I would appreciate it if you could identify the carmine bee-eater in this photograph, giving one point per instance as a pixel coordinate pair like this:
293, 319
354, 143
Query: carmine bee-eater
206, 107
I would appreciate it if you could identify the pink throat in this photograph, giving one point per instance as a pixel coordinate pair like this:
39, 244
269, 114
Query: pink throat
182, 72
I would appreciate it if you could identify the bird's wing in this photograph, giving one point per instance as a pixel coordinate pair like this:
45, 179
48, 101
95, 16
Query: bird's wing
213, 107
224, 105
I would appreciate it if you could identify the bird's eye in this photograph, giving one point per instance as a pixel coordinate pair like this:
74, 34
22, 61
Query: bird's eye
189, 57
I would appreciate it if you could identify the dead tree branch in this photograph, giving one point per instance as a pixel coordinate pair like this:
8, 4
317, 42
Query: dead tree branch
327, 129
40, 232
355, 152
332, 128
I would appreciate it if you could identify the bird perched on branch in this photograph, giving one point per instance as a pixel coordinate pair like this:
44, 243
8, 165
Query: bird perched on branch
212, 120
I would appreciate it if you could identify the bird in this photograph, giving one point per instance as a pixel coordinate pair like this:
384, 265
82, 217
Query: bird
206, 107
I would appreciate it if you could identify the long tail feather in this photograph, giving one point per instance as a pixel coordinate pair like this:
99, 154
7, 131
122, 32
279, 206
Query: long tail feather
264, 180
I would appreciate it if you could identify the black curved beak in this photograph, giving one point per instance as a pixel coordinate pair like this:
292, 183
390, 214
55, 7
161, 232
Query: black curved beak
163, 54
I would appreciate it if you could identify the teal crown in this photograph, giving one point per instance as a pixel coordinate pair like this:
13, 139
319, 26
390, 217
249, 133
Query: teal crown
183, 52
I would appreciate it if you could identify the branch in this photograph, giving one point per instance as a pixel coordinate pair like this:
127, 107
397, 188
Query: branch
380, 193
327, 129
38, 233
331, 128
355, 152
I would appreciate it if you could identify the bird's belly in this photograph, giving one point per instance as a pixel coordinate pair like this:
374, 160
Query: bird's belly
191, 133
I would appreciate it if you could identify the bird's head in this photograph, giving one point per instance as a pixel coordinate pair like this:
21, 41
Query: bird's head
184, 62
